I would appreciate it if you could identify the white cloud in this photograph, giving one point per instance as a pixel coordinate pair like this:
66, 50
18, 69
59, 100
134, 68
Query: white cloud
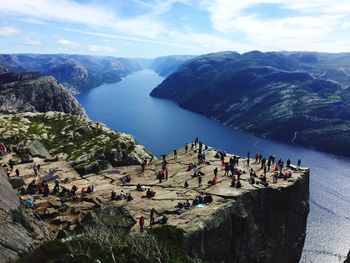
8, 31
313, 25
102, 49
31, 42
68, 44
92, 15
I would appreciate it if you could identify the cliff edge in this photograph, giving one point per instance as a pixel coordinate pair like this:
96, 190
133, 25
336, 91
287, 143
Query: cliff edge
255, 223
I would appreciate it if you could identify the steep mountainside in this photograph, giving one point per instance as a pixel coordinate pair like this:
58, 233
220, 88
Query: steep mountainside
166, 65
21, 92
277, 95
78, 72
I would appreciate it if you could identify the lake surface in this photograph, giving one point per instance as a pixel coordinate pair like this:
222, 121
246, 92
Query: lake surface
162, 126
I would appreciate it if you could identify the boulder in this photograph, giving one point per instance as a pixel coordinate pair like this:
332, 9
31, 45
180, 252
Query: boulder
108, 216
20, 232
16, 182
37, 149
26, 158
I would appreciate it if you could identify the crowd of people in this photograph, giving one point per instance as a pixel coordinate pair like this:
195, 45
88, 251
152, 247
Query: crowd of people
230, 167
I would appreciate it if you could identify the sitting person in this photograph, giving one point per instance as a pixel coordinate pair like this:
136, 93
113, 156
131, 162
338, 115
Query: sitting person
126, 179
30, 202
287, 175
213, 181
252, 180
233, 181
89, 190
180, 206
200, 199
186, 184
187, 205
208, 199
189, 167
252, 173
195, 201
238, 184
150, 193
113, 195
129, 197
163, 220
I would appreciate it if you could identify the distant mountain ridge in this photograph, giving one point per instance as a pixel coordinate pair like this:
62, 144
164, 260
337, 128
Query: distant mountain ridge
166, 65
78, 73
299, 97
23, 92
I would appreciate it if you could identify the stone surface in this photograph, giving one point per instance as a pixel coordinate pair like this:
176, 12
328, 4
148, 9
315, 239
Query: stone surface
241, 225
19, 232
91, 148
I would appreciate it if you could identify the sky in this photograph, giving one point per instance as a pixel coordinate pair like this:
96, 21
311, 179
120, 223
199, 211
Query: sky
151, 28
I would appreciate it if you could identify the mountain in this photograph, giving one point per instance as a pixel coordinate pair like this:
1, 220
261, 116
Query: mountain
21, 92
296, 97
166, 65
77, 72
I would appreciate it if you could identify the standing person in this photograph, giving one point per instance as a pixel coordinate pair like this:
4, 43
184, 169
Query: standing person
248, 158
199, 180
288, 163
17, 172
35, 169
298, 163
141, 223
175, 154
151, 222
215, 172
186, 147
38, 167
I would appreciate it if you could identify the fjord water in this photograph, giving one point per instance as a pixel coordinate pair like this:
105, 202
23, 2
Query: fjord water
162, 126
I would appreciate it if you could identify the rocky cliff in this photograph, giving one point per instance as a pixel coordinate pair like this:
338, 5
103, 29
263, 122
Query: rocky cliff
20, 232
89, 146
21, 92
254, 223
284, 96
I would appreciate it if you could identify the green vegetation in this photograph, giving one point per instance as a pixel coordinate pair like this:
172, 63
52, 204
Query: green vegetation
76, 137
109, 245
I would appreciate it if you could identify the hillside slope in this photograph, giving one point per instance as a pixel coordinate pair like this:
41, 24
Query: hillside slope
77, 72
21, 92
275, 95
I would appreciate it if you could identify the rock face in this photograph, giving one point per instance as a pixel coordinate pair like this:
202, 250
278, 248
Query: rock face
21, 92
89, 146
19, 232
77, 72
347, 260
296, 97
254, 223
260, 226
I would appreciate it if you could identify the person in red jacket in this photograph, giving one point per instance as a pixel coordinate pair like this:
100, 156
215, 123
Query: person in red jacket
141, 223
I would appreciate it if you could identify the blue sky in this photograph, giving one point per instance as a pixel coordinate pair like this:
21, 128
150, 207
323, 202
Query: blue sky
150, 28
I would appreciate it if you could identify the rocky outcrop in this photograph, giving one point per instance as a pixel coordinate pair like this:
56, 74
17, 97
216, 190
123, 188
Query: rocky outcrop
254, 223
22, 92
275, 95
78, 73
266, 225
89, 146
347, 260
19, 231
